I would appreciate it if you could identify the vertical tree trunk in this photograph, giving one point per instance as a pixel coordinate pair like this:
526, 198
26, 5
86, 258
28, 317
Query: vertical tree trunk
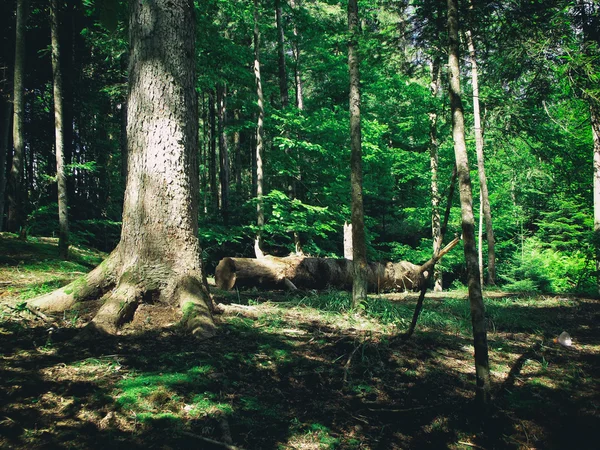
433, 159
260, 215
17, 191
61, 176
485, 199
6, 114
595, 119
158, 256
223, 152
212, 167
359, 248
468, 224
283, 87
237, 154
296, 52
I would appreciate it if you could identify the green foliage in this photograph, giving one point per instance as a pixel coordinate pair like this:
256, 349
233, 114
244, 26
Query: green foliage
539, 268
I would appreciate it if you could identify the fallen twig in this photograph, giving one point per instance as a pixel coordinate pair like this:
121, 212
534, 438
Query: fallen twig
210, 441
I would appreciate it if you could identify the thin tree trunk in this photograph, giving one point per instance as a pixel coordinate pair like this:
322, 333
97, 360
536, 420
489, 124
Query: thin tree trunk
237, 154
359, 248
6, 121
296, 52
485, 199
433, 158
595, 119
17, 190
260, 215
478, 320
283, 87
223, 152
61, 176
212, 168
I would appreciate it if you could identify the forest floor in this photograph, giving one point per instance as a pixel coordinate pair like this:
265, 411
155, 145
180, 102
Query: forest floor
301, 371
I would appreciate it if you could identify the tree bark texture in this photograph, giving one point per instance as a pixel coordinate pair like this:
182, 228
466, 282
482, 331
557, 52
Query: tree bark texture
17, 189
260, 214
61, 175
359, 246
319, 273
485, 198
158, 257
434, 163
466, 201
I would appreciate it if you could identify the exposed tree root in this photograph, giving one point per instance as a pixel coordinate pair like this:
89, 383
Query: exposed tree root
91, 286
123, 290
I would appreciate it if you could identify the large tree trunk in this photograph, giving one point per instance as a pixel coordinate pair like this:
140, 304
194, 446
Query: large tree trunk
61, 175
359, 247
478, 320
17, 191
319, 273
260, 214
158, 257
485, 199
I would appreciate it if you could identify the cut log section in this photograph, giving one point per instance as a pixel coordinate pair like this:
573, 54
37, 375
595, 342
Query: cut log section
319, 273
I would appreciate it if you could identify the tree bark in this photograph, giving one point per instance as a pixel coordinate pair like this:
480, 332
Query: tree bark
359, 247
478, 320
61, 175
319, 273
17, 192
158, 257
434, 162
260, 214
485, 199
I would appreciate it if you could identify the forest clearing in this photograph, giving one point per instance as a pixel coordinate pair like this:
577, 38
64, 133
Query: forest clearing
292, 370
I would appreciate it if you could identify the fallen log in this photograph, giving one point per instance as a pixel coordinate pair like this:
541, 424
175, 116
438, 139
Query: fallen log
319, 273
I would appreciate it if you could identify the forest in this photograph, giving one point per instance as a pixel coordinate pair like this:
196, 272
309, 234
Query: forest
299, 223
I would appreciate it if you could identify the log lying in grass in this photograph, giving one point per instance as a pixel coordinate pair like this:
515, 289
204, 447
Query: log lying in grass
319, 273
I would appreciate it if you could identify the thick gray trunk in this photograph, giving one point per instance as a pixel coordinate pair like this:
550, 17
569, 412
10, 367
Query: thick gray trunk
359, 248
17, 192
61, 176
158, 257
466, 201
